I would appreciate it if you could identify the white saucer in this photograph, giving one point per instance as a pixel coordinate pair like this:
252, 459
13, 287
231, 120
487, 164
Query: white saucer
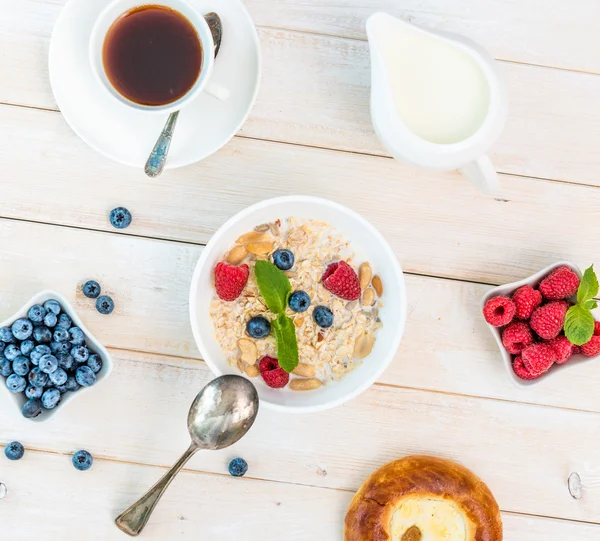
126, 135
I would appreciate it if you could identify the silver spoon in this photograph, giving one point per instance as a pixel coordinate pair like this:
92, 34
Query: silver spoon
220, 415
158, 157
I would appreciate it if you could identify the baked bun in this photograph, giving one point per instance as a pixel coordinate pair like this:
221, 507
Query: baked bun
423, 498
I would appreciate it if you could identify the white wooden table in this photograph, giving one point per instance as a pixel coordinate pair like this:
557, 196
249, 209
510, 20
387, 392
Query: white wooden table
446, 392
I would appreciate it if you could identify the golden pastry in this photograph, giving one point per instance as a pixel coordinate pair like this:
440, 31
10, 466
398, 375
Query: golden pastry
423, 498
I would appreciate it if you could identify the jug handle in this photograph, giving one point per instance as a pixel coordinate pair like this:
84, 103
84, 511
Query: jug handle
482, 173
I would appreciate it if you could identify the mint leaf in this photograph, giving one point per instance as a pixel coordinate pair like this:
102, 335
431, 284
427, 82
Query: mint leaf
590, 305
579, 325
588, 288
287, 345
273, 284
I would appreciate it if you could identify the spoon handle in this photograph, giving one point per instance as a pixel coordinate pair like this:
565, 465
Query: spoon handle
133, 520
158, 156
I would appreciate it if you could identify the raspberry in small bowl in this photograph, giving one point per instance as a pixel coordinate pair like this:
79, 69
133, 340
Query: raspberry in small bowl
529, 318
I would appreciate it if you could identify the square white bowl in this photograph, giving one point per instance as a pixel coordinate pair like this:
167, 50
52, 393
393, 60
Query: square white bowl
507, 290
95, 347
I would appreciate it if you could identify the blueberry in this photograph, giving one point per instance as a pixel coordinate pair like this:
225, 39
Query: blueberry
61, 335
105, 305
14, 451
238, 467
32, 408
85, 377
323, 316
299, 301
258, 327
42, 335
22, 329
5, 367
52, 306
21, 366
38, 352
91, 289
72, 384
6, 335
34, 392
50, 320
58, 377
65, 361
64, 321
50, 398
120, 217
36, 313
82, 460
2, 346
60, 347
95, 363
15, 383
80, 354
283, 259
48, 364
37, 378
12, 352
27, 347
76, 336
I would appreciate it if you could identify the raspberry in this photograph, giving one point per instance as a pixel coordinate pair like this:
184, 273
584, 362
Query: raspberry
520, 370
576, 350
516, 337
526, 300
592, 348
274, 376
499, 311
563, 349
538, 358
341, 279
230, 281
548, 320
560, 284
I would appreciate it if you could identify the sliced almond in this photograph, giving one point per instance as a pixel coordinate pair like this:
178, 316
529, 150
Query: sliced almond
351, 305
368, 297
378, 285
259, 248
274, 228
363, 345
299, 322
252, 371
296, 237
248, 349
253, 236
237, 255
305, 370
262, 228
364, 275
320, 337
305, 384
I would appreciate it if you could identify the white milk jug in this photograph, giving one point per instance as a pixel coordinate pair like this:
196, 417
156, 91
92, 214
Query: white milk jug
437, 99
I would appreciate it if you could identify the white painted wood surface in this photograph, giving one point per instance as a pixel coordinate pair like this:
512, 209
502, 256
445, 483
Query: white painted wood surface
445, 393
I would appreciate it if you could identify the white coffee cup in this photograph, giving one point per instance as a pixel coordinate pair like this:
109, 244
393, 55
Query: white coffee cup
113, 11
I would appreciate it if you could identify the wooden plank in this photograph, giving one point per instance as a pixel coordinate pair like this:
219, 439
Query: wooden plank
324, 100
212, 507
524, 452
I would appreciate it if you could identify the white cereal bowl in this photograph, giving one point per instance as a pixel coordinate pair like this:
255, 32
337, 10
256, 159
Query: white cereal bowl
367, 244
507, 290
95, 346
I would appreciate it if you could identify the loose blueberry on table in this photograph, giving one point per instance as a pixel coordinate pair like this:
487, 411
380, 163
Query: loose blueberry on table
14, 451
120, 218
92, 289
238, 467
82, 460
105, 305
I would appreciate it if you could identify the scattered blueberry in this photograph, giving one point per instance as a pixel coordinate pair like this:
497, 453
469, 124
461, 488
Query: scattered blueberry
58, 377
120, 218
258, 327
37, 378
32, 408
42, 335
80, 354
72, 384
299, 301
14, 451
64, 321
60, 335
21, 366
76, 336
50, 398
105, 305
52, 306
27, 347
22, 329
11, 352
283, 259
238, 467
85, 376
65, 361
36, 313
82, 460
50, 320
34, 392
5, 367
38, 352
48, 364
6, 335
323, 316
95, 363
91, 289
16, 384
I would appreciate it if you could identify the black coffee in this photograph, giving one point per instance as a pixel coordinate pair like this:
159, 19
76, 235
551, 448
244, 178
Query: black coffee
152, 55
